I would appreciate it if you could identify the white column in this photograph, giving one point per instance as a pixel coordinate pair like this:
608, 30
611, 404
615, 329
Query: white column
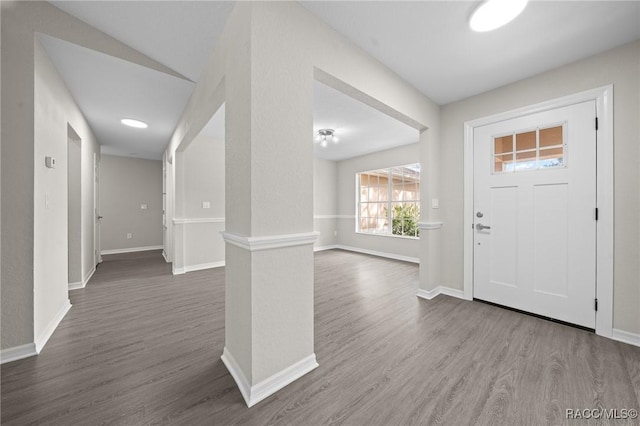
430, 225
269, 207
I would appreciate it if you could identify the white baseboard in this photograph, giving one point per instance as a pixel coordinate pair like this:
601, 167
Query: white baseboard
85, 280
256, 393
379, 253
76, 286
51, 327
164, 255
200, 267
430, 294
626, 337
88, 276
17, 352
131, 250
323, 248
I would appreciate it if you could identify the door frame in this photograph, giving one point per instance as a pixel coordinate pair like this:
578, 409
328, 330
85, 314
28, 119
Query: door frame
604, 193
97, 251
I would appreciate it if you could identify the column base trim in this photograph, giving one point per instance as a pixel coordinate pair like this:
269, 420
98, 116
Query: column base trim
256, 393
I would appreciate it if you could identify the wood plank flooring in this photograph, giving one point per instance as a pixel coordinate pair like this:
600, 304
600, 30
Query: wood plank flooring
142, 347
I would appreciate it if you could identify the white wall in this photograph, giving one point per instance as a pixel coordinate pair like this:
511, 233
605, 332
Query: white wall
54, 110
17, 168
125, 185
23, 180
325, 201
202, 181
347, 169
620, 67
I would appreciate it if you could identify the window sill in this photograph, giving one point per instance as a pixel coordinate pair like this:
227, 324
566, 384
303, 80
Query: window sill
374, 234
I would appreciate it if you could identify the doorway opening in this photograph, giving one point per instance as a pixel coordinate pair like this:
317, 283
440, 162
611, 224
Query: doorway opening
199, 215
74, 216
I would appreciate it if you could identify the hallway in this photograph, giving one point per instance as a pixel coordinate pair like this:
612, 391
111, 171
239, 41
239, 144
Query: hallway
141, 346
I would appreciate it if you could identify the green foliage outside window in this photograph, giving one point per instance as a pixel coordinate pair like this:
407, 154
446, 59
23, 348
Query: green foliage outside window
404, 220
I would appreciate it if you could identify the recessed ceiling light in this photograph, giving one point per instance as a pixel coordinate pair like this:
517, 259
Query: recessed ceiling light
134, 123
493, 14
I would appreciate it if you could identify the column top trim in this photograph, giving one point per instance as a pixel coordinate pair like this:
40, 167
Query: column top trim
271, 241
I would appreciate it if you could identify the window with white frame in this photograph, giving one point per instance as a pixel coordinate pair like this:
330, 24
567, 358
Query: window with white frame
389, 201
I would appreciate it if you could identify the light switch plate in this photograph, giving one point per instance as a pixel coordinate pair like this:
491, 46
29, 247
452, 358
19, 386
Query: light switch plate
435, 203
143, 206
206, 205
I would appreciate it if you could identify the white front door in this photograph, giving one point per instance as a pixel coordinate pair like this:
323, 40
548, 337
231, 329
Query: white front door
534, 212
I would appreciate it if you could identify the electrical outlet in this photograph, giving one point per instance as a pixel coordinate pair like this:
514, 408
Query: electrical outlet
129, 236
435, 203
206, 205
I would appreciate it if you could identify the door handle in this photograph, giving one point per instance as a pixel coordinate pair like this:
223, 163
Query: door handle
99, 217
480, 227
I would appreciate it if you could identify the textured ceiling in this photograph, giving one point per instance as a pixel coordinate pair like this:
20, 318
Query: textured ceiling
108, 89
361, 128
178, 34
428, 43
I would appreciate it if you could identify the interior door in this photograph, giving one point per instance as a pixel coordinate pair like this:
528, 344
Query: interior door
535, 216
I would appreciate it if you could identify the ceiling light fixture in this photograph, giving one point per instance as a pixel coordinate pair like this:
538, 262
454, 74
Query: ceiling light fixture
134, 123
325, 135
493, 14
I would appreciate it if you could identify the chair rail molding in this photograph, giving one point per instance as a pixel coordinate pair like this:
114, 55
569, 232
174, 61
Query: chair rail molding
430, 226
188, 220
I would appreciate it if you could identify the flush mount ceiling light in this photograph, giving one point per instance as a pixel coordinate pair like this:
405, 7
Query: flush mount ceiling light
134, 123
325, 135
493, 14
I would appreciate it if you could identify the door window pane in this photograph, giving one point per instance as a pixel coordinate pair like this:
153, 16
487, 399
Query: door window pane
553, 157
526, 141
536, 149
503, 163
503, 145
551, 137
526, 160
